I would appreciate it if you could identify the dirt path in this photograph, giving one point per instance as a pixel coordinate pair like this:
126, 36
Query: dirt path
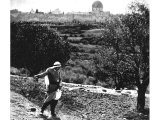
20, 109
96, 89
99, 89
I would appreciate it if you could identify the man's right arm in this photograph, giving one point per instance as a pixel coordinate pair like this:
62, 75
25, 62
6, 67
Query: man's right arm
43, 74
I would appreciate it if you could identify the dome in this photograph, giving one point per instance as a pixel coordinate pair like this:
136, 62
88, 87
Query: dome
97, 4
97, 7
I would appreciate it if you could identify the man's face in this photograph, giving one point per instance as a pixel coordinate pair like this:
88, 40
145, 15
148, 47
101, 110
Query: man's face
57, 68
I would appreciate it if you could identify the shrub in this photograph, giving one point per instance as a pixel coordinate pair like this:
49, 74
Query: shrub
78, 79
14, 71
90, 81
67, 75
24, 72
35, 47
84, 41
92, 51
81, 35
74, 49
73, 75
77, 70
21, 71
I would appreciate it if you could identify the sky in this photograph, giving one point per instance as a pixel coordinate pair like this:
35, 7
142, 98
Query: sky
114, 6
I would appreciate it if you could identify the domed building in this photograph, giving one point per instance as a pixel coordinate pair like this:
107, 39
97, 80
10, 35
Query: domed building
97, 7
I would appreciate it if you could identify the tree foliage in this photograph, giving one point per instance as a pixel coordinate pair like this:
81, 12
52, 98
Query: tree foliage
138, 23
128, 36
35, 47
115, 57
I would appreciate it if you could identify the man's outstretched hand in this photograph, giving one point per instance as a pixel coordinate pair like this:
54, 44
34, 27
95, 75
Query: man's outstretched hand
35, 78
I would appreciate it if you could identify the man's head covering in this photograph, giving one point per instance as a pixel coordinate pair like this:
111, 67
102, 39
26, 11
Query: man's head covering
57, 64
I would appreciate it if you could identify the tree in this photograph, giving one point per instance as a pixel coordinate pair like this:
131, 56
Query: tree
138, 24
116, 36
35, 47
128, 35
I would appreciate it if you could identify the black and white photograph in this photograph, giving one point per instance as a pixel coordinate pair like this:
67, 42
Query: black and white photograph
79, 59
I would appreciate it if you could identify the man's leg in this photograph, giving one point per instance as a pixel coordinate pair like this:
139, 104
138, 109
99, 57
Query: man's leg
45, 106
53, 105
46, 103
50, 96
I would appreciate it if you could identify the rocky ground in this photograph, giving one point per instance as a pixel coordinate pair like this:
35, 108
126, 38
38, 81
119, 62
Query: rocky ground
21, 110
78, 102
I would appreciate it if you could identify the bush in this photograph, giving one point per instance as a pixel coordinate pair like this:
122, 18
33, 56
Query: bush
78, 79
24, 72
74, 49
14, 71
35, 47
90, 81
77, 70
92, 51
73, 75
81, 35
84, 41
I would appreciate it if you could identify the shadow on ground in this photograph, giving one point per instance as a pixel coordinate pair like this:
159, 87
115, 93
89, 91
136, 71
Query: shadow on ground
133, 115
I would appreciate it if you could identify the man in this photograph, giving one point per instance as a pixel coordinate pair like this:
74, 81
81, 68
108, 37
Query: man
53, 86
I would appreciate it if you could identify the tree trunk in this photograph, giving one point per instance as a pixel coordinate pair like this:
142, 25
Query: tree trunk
141, 94
141, 99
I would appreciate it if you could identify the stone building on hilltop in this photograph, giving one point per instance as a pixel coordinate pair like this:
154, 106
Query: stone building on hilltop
97, 7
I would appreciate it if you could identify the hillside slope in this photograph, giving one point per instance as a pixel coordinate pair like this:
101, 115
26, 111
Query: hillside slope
21, 109
78, 102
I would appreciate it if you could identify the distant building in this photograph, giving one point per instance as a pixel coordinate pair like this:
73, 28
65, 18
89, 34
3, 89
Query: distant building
39, 12
56, 11
14, 11
32, 11
36, 10
97, 7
